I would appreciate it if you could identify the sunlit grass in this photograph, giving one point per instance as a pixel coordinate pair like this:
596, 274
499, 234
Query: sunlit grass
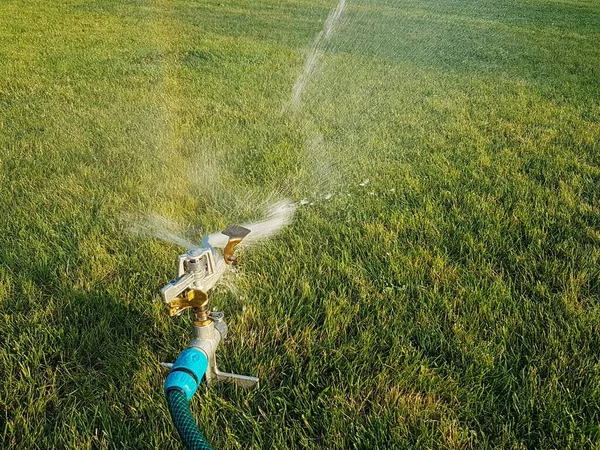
451, 302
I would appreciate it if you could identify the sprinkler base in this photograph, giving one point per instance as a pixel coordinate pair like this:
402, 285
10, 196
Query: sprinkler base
207, 338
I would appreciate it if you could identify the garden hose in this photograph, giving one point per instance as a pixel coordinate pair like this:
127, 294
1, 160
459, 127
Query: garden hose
184, 421
180, 386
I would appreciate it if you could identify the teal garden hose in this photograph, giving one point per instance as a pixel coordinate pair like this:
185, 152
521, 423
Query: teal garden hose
180, 386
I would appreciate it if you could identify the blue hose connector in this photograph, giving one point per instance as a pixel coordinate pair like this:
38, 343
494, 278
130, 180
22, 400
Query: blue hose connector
187, 372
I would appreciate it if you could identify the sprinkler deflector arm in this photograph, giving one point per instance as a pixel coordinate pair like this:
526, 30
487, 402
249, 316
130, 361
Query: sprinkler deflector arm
235, 233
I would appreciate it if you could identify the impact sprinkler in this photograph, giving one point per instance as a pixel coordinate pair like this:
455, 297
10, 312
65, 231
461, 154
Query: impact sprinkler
198, 271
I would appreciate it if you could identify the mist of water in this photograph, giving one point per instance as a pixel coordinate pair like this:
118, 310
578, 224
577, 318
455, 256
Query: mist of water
315, 54
278, 216
157, 226
210, 181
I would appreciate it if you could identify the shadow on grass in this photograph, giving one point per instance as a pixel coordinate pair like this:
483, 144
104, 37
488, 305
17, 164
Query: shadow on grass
72, 362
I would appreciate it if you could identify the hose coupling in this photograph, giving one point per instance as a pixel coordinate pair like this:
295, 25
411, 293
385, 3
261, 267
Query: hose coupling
187, 372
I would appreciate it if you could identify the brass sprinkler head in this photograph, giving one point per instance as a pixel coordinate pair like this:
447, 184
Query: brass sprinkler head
198, 271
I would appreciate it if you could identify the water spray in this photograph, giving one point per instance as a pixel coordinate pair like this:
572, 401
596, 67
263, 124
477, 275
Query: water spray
198, 271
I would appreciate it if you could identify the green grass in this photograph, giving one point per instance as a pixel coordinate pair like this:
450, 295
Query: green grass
453, 302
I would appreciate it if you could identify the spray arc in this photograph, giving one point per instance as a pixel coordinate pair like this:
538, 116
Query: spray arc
198, 271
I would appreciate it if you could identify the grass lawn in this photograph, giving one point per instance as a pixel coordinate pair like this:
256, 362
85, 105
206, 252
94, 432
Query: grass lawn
451, 302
